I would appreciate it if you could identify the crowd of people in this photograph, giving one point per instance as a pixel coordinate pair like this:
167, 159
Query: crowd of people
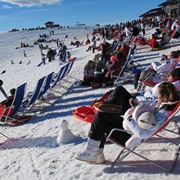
107, 63
124, 37
61, 52
139, 119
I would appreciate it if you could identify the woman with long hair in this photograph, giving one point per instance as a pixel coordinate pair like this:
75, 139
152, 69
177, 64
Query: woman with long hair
104, 122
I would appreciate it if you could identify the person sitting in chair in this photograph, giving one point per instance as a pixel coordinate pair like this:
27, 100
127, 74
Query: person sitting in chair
166, 65
8, 102
6, 107
152, 42
88, 73
104, 122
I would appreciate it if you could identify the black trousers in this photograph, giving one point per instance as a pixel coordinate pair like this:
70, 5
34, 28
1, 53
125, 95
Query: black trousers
104, 122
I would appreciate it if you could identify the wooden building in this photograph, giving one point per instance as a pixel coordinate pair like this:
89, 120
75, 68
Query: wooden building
50, 24
170, 8
153, 12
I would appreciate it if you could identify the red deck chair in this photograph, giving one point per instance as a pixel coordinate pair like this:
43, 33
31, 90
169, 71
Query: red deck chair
3, 111
152, 79
126, 151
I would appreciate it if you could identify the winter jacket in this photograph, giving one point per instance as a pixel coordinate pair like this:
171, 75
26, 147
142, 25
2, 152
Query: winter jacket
165, 67
153, 43
152, 93
139, 134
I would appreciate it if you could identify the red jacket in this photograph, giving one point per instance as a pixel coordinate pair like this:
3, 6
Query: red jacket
124, 50
152, 42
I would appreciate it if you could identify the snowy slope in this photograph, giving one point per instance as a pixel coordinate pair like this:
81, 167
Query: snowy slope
32, 152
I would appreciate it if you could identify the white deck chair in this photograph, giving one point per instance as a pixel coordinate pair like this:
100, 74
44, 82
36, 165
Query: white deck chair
120, 78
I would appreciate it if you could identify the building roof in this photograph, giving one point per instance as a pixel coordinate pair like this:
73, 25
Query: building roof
169, 2
49, 22
153, 12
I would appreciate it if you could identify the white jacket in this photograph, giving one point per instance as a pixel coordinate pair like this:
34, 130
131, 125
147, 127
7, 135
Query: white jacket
165, 67
152, 93
139, 134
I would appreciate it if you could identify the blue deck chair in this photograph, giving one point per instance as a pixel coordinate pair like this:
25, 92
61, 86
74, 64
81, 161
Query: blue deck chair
17, 102
47, 85
29, 103
60, 75
65, 71
69, 68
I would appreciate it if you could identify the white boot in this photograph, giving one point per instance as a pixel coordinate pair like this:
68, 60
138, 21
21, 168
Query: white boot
92, 153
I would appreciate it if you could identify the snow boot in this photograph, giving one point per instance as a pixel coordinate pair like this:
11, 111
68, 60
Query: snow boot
92, 153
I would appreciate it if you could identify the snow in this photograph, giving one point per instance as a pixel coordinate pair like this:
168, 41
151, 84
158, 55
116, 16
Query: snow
65, 135
36, 150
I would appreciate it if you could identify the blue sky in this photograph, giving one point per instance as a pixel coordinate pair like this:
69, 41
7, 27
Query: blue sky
33, 13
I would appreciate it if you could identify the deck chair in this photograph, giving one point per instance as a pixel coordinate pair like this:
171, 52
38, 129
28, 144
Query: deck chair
70, 67
130, 57
66, 70
47, 85
152, 79
126, 151
165, 40
62, 73
59, 76
2, 111
9, 114
28, 104
45, 88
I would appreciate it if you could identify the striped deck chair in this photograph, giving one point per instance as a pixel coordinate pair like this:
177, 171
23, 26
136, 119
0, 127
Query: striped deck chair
10, 113
59, 75
63, 72
113, 137
66, 70
46, 86
29, 103
69, 67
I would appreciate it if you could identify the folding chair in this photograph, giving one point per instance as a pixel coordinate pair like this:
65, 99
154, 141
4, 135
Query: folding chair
66, 70
46, 86
20, 92
59, 75
126, 151
10, 112
28, 104
152, 79
70, 67
17, 102
2, 111
63, 72
130, 57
